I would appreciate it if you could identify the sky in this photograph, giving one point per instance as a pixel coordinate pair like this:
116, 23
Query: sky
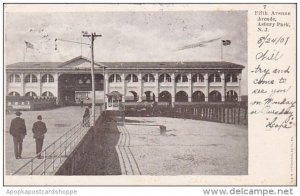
128, 36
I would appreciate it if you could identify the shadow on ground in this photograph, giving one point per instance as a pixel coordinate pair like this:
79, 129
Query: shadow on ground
103, 158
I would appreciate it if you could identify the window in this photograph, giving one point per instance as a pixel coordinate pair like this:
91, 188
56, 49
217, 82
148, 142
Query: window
181, 78
231, 78
31, 78
13, 94
131, 78
164, 78
30, 94
14, 78
47, 78
27, 79
114, 78
214, 78
148, 78
197, 78
47, 94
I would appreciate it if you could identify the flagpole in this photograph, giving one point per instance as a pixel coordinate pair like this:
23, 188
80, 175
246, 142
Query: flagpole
25, 53
222, 50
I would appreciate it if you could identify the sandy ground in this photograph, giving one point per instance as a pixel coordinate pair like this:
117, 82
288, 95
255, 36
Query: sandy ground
190, 147
58, 121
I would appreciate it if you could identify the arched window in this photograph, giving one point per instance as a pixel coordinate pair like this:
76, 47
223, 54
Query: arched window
31, 78
47, 78
13, 94
197, 78
231, 96
47, 94
215, 96
181, 78
164, 78
14, 78
149, 96
214, 78
114, 78
148, 78
181, 96
30, 94
198, 96
131, 78
165, 96
231, 78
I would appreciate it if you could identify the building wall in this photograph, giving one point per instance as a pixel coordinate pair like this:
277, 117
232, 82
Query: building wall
140, 87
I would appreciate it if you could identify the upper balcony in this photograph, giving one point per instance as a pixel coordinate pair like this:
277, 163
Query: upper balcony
116, 84
200, 84
215, 84
182, 84
149, 84
15, 84
132, 84
165, 84
232, 84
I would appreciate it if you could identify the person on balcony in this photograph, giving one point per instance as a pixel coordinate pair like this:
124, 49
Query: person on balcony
18, 131
39, 129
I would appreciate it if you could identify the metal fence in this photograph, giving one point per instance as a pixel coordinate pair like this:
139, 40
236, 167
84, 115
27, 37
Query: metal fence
57, 152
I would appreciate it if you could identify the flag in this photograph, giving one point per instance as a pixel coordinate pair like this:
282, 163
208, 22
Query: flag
28, 45
226, 42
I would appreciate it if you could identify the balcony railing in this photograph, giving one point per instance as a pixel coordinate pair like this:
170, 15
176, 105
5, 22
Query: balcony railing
232, 84
215, 84
199, 84
184, 84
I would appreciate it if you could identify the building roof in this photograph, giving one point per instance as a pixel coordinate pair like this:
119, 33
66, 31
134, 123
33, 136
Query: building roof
81, 62
172, 65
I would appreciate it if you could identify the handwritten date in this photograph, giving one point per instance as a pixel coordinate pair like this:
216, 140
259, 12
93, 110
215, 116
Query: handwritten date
265, 40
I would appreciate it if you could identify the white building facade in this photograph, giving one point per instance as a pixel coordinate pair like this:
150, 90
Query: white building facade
170, 82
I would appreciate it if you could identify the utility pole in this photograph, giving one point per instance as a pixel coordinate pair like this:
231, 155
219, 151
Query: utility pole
92, 37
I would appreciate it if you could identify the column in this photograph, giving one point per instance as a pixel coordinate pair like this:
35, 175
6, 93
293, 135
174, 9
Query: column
190, 91
206, 86
23, 84
106, 85
223, 91
123, 87
239, 86
56, 77
39, 77
140, 87
156, 87
173, 88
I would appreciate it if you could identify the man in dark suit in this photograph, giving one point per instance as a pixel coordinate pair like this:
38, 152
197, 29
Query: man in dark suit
18, 131
86, 117
39, 129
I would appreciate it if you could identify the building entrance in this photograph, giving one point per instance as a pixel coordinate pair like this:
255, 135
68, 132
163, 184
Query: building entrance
74, 88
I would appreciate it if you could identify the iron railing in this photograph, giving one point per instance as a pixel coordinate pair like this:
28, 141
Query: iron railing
57, 152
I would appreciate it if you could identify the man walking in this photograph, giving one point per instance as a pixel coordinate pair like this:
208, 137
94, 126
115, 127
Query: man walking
18, 131
39, 129
86, 118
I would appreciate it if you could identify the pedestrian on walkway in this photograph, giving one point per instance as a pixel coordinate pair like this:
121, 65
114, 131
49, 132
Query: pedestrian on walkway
39, 129
86, 117
81, 103
18, 131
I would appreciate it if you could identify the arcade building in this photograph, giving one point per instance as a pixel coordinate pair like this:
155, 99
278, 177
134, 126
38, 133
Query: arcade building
70, 82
